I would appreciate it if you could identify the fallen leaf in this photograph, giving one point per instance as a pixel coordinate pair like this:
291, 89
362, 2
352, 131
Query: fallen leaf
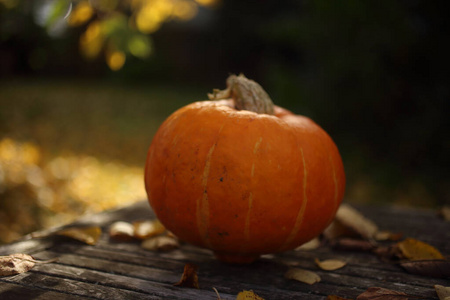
348, 244
147, 229
160, 243
248, 295
355, 221
311, 245
334, 297
87, 235
444, 212
189, 278
15, 264
330, 264
433, 268
413, 249
336, 230
217, 293
442, 292
302, 275
378, 293
386, 235
121, 231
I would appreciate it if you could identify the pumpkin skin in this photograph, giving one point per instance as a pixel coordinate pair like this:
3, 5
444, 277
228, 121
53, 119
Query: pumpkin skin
241, 183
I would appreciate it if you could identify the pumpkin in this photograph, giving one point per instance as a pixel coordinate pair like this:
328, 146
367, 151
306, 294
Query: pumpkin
242, 176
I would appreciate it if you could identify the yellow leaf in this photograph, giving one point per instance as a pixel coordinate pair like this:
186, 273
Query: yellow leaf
413, 249
302, 275
122, 231
115, 60
330, 264
442, 292
350, 221
88, 235
80, 14
248, 295
160, 243
311, 245
148, 229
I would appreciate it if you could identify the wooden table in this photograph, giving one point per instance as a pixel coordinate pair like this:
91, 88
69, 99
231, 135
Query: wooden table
113, 270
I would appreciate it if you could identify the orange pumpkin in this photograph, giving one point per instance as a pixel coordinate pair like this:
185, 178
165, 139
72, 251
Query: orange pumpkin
241, 176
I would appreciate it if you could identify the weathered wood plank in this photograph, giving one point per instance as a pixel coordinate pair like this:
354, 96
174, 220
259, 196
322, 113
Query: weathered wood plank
14, 291
125, 270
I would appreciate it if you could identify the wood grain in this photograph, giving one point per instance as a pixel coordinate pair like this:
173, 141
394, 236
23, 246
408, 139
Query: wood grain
112, 270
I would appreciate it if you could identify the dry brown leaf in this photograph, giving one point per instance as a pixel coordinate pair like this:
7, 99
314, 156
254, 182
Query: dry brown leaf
87, 235
334, 297
444, 212
442, 292
378, 293
330, 264
189, 278
433, 268
15, 264
311, 245
121, 231
217, 293
413, 249
355, 221
302, 275
348, 244
147, 229
248, 295
160, 243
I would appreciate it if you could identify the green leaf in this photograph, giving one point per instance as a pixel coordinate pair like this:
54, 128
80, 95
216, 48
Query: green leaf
139, 45
59, 10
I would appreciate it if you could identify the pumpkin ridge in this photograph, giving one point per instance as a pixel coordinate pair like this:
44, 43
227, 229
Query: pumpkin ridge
301, 212
250, 198
202, 202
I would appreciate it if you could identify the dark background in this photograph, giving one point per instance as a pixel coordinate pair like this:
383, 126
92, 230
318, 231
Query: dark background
373, 74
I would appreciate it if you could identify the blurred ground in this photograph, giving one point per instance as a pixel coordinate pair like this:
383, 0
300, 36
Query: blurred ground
71, 148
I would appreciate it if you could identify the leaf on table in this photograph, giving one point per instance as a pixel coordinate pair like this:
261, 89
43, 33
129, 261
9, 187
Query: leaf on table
378, 293
413, 249
248, 295
442, 292
350, 222
386, 235
217, 293
330, 264
444, 212
348, 244
147, 229
302, 275
160, 243
87, 235
334, 297
189, 278
121, 231
311, 245
15, 264
433, 268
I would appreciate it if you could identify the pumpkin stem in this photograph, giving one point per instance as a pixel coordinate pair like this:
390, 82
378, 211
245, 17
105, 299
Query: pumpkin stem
246, 94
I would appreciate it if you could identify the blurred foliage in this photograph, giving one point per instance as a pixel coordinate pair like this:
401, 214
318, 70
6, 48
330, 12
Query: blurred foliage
116, 27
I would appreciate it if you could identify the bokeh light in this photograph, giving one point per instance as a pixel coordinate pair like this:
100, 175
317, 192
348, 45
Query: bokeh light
61, 189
